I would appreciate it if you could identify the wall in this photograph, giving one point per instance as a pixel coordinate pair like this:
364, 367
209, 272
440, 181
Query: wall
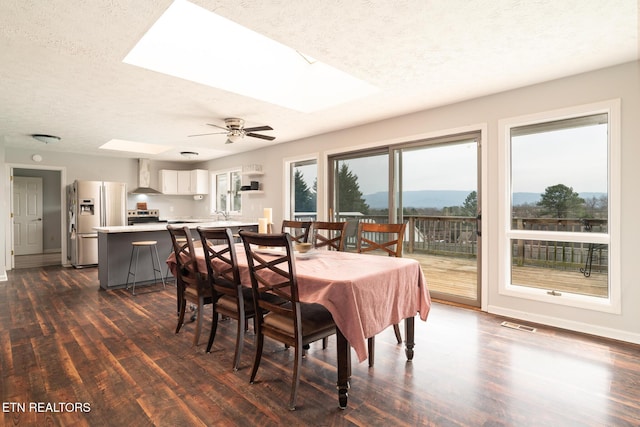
615, 82
482, 113
92, 168
84, 167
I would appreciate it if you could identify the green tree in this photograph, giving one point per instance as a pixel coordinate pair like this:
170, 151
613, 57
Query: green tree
559, 201
349, 195
305, 199
470, 205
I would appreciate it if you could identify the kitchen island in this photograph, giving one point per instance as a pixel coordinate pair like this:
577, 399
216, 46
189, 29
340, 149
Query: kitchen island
114, 249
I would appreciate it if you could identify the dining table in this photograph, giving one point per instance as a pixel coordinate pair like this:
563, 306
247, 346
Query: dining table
364, 293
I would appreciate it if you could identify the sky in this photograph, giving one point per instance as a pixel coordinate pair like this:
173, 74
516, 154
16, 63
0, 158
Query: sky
575, 157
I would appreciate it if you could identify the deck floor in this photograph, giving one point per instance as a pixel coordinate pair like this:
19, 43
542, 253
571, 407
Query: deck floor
458, 277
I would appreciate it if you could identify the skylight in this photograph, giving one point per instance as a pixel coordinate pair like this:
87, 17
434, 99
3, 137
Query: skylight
192, 43
134, 147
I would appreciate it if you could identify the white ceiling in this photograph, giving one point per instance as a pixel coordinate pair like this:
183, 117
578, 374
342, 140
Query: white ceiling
61, 69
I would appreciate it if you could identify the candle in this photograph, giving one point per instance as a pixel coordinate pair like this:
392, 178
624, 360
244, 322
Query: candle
262, 225
268, 214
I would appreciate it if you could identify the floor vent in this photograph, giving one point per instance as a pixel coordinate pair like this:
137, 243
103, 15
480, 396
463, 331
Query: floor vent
518, 327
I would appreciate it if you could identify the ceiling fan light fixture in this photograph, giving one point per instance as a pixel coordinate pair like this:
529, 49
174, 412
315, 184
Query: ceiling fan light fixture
234, 136
47, 139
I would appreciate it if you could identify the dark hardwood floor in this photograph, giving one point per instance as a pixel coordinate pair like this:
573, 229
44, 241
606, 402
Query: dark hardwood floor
71, 354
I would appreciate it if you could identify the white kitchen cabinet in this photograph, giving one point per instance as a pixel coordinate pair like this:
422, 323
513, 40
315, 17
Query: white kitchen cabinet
184, 182
168, 181
199, 181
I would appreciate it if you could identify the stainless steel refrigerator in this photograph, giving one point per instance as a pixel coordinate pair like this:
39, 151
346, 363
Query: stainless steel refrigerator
93, 204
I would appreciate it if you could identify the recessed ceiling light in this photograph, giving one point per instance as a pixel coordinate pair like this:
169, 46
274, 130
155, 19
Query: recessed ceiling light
47, 139
195, 44
134, 147
189, 154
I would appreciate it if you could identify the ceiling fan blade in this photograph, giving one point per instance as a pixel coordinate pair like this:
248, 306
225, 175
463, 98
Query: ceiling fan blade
257, 135
203, 134
258, 129
216, 126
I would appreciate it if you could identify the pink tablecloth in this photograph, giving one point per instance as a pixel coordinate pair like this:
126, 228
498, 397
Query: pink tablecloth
364, 293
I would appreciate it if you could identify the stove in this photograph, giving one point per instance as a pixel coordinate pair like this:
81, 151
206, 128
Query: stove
143, 216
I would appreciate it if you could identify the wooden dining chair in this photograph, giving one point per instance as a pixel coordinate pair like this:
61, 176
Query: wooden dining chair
294, 323
230, 297
299, 230
383, 239
191, 285
329, 235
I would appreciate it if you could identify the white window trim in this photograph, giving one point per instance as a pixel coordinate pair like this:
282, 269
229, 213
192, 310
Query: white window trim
612, 304
286, 182
214, 189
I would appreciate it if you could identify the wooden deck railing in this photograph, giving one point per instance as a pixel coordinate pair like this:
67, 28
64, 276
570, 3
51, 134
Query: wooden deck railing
456, 236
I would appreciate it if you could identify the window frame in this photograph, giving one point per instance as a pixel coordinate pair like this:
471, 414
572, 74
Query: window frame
611, 304
213, 178
288, 182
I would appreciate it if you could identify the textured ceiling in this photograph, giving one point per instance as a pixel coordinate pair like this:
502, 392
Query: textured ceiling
61, 69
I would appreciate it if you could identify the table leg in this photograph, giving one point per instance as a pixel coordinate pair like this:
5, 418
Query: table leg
344, 368
409, 324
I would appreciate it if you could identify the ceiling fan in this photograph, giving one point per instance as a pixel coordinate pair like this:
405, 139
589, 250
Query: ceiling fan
235, 130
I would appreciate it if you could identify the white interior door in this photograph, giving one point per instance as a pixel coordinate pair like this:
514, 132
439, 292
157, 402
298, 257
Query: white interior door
27, 215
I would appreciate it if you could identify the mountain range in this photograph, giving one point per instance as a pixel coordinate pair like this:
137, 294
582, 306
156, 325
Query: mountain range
442, 198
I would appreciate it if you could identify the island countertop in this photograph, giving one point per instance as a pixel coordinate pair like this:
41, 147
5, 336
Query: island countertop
162, 226
115, 255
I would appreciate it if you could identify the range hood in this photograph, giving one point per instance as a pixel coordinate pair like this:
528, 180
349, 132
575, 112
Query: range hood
144, 179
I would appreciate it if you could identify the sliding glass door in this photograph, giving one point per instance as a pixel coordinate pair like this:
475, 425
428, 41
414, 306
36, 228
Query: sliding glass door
437, 194
431, 185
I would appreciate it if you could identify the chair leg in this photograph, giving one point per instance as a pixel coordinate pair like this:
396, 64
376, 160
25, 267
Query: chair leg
196, 336
257, 357
239, 344
371, 343
325, 343
396, 329
214, 328
183, 307
297, 366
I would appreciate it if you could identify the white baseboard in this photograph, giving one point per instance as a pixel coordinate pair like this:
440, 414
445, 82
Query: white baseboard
570, 325
3, 275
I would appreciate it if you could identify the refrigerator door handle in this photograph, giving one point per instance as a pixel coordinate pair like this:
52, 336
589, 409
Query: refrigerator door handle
103, 206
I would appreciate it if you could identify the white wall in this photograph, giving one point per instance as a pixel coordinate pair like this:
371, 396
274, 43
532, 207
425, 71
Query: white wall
616, 82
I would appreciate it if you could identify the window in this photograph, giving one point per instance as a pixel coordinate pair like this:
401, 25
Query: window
559, 236
303, 189
227, 197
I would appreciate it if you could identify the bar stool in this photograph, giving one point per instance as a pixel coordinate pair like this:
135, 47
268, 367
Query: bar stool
153, 250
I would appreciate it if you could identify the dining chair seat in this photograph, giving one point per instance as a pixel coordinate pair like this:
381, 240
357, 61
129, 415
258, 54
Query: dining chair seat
316, 320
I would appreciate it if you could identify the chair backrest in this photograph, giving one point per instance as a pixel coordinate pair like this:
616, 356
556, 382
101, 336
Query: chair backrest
328, 234
273, 275
381, 237
187, 272
299, 230
219, 249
